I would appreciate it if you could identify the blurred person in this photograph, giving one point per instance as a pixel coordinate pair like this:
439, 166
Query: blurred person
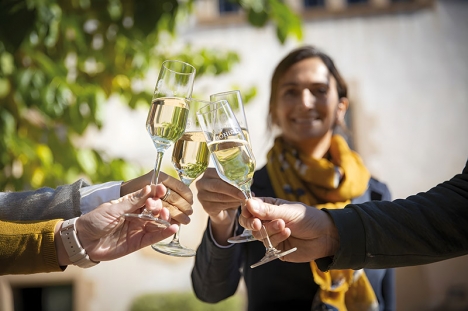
424, 228
79, 198
308, 163
28, 247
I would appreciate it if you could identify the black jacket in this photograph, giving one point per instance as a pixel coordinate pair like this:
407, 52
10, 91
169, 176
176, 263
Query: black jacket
423, 228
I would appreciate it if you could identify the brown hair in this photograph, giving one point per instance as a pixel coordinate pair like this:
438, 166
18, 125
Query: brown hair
294, 57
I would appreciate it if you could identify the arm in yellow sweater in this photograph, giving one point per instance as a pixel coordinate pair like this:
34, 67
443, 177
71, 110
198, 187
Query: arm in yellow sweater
28, 247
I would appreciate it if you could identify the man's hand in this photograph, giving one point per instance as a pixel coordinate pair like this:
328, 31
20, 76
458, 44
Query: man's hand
179, 202
292, 224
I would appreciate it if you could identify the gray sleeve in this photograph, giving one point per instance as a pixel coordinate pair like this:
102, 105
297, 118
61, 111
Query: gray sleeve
42, 204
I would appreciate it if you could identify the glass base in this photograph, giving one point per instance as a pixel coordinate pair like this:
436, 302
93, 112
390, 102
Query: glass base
272, 254
160, 223
246, 236
174, 249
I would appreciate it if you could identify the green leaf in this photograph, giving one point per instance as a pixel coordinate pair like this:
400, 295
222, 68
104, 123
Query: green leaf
4, 87
87, 161
7, 65
45, 155
286, 21
257, 19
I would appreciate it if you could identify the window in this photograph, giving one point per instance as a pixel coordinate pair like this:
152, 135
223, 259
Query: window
226, 6
45, 292
45, 298
313, 3
350, 2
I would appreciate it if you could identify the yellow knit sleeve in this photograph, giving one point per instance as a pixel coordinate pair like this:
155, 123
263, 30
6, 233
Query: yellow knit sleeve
28, 247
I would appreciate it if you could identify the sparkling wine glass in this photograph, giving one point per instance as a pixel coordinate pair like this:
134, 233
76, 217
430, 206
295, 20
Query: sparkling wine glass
234, 99
233, 157
167, 116
190, 158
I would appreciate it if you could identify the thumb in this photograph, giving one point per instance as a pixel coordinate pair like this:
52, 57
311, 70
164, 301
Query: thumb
137, 199
264, 210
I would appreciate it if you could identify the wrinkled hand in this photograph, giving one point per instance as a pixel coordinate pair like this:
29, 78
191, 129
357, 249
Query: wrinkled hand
292, 224
106, 235
179, 202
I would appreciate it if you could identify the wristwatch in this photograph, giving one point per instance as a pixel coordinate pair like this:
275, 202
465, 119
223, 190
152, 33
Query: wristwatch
76, 253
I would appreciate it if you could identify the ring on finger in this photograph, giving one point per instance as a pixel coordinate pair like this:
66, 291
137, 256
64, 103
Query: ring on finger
168, 192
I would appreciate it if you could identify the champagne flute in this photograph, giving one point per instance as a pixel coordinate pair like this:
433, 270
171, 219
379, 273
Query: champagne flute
234, 99
190, 157
233, 157
167, 116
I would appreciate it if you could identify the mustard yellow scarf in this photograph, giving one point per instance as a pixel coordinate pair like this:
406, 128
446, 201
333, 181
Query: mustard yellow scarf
326, 183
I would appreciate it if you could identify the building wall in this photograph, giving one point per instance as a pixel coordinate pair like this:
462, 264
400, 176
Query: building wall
408, 77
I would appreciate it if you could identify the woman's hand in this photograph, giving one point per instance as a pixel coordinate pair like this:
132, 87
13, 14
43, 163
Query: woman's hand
179, 202
220, 200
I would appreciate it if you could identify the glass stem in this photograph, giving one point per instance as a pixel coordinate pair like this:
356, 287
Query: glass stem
154, 178
157, 167
265, 234
175, 238
248, 195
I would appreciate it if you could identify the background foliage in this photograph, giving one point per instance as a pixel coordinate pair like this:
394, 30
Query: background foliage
61, 60
183, 301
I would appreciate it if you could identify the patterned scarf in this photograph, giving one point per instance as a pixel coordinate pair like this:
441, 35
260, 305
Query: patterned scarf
326, 183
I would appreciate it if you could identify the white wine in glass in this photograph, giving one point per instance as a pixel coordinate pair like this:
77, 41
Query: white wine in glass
232, 155
234, 162
190, 157
234, 99
167, 116
166, 123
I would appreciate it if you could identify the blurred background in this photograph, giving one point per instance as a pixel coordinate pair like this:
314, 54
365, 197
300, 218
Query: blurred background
76, 79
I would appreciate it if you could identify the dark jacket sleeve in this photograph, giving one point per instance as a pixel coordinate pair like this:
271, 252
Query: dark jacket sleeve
42, 204
216, 273
423, 228
388, 290
382, 280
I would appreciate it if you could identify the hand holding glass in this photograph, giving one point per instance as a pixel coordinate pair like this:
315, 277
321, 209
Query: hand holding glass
190, 158
167, 116
233, 157
234, 100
